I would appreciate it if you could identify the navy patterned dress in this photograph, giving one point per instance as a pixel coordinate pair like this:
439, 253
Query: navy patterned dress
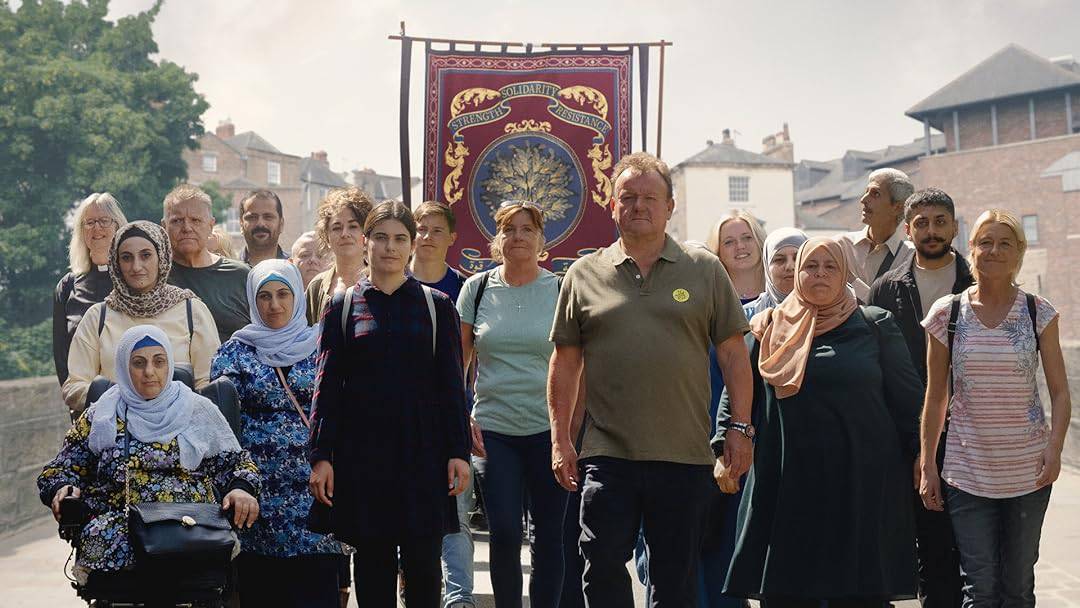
273, 432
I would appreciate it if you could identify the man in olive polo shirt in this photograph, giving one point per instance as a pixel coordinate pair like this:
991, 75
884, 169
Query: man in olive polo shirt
638, 317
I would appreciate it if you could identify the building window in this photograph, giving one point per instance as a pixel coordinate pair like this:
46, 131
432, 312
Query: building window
1031, 228
232, 220
209, 163
738, 188
273, 173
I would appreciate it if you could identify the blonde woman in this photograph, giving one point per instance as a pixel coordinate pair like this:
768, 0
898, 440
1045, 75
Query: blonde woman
92, 228
1001, 456
738, 239
221, 243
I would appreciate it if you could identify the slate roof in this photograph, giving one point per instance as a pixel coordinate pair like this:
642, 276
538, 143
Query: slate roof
250, 140
1009, 72
915, 149
241, 183
315, 172
728, 154
380, 187
808, 221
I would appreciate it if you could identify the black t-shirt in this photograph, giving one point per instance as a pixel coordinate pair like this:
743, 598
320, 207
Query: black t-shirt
222, 286
75, 294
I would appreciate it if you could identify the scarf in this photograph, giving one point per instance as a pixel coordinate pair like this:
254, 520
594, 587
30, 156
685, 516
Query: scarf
161, 296
777, 240
287, 345
787, 331
176, 412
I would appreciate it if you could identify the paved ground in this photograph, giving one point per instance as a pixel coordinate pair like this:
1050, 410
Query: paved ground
31, 562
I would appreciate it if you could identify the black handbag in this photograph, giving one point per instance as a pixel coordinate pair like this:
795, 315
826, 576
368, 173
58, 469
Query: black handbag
165, 530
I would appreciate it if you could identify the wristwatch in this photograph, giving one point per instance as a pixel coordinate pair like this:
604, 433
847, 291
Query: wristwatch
745, 428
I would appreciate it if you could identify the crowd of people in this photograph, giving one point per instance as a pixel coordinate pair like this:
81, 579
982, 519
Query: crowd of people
848, 420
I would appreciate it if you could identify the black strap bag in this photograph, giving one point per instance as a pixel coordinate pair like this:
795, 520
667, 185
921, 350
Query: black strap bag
165, 531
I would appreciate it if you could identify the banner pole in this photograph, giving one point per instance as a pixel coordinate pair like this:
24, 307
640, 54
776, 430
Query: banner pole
660, 103
406, 69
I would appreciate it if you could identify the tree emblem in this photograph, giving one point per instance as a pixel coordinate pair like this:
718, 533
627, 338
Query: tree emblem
531, 172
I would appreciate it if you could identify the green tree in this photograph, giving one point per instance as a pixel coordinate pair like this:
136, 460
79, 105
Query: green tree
84, 107
221, 201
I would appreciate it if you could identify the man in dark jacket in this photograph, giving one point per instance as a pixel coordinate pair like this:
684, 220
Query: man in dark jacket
936, 271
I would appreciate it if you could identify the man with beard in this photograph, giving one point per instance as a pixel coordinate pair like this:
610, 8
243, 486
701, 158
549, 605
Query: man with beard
261, 221
935, 271
880, 246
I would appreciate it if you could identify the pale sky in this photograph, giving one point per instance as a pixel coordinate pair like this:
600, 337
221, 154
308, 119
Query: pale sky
321, 74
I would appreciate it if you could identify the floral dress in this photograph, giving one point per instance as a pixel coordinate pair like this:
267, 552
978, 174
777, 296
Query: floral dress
275, 435
156, 476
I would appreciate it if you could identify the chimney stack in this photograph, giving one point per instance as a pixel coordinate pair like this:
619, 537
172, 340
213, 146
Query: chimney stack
225, 129
779, 146
726, 137
320, 155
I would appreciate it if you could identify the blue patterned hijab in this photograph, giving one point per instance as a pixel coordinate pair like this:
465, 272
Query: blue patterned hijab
294, 342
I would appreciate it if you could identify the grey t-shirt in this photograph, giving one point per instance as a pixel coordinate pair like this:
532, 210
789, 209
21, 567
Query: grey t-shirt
512, 349
934, 284
222, 286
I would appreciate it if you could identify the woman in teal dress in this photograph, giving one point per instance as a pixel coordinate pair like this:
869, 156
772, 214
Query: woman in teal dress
826, 512
272, 363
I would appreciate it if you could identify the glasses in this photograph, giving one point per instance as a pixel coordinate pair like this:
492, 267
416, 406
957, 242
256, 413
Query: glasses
104, 222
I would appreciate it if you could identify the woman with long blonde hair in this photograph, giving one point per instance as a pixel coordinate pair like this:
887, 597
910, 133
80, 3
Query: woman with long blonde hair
738, 239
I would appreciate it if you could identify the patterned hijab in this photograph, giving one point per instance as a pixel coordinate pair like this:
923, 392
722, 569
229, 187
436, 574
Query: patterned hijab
294, 342
176, 413
786, 333
161, 296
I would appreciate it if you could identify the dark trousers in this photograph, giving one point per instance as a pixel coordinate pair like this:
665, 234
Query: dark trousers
572, 596
940, 585
998, 540
376, 562
514, 467
668, 502
802, 603
299, 582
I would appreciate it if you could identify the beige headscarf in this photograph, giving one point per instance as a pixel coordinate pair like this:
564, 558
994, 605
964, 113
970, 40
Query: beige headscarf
787, 331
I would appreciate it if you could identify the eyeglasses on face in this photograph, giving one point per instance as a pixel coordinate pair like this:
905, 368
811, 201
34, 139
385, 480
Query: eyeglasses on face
104, 222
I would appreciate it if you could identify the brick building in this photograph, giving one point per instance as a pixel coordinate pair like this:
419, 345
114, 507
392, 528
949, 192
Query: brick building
1012, 135
241, 163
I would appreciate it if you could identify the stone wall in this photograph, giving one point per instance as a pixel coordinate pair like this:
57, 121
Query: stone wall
33, 419
1070, 456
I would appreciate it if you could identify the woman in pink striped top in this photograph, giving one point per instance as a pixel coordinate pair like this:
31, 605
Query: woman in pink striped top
1001, 456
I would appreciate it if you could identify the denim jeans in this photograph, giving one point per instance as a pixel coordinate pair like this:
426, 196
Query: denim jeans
667, 501
457, 555
516, 466
998, 539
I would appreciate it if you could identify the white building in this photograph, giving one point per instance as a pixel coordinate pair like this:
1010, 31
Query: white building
723, 177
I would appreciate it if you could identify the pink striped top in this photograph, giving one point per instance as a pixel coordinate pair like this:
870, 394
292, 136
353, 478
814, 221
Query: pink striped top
998, 429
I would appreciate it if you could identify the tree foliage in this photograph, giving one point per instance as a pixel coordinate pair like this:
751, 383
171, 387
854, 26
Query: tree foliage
85, 106
531, 173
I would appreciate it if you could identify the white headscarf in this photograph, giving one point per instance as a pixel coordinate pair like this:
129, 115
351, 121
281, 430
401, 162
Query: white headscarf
176, 413
294, 342
777, 240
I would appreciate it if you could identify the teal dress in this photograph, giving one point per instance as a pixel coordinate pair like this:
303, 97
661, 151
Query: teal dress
827, 511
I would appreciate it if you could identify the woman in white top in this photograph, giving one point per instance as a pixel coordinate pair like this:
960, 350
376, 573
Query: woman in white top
139, 264
1001, 457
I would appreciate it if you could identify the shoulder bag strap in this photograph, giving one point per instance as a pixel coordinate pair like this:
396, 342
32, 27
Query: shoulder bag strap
190, 322
1032, 312
346, 308
431, 312
479, 296
101, 319
950, 329
292, 397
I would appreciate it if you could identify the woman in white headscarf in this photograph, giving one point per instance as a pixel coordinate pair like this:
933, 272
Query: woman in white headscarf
779, 251
181, 450
272, 363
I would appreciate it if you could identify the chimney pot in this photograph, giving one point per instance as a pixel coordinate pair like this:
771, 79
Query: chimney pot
225, 129
727, 137
320, 155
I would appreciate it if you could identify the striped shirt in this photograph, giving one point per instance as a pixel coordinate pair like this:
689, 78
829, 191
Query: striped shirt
998, 429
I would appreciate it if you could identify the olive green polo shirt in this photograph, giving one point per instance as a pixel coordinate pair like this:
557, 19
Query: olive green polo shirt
646, 346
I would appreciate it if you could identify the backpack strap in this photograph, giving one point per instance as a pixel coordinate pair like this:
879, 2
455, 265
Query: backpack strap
101, 319
431, 312
190, 321
346, 308
480, 296
950, 329
1032, 312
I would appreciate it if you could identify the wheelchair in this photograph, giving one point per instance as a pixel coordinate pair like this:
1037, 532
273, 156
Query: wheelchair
179, 583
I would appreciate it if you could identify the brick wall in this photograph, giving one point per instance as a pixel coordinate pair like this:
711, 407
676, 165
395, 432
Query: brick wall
975, 131
1050, 115
33, 420
1014, 122
1009, 177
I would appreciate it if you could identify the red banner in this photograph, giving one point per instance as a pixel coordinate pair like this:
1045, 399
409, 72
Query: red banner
543, 127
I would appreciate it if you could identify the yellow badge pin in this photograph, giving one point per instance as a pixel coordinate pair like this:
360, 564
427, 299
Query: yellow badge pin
680, 295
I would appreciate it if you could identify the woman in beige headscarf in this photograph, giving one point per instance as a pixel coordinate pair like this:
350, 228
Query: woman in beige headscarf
826, 514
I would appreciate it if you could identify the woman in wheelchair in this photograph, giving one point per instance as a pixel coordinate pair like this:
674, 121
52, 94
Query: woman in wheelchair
272, 363
181, 450
139, 263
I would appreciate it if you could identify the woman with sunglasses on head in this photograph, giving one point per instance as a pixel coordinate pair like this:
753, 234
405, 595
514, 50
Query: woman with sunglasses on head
271, 361
390, 437
507, 326
95, 222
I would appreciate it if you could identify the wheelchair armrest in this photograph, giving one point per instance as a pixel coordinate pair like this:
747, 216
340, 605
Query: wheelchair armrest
98, 386
183, 372
223, 393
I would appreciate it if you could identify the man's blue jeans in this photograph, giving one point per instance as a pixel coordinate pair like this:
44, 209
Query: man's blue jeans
457, 555
998, 539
